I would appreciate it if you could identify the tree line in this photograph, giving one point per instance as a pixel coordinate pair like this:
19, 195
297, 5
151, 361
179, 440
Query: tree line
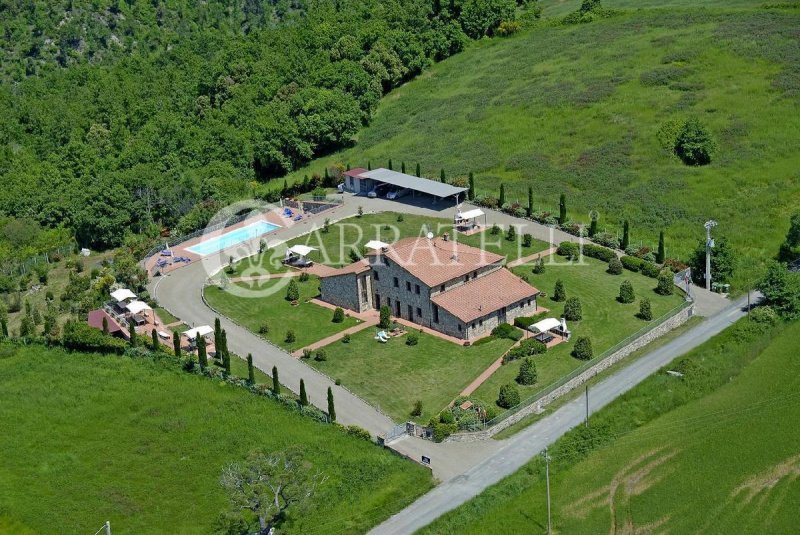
120, 117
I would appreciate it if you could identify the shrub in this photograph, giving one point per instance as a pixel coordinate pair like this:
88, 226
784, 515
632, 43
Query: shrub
412, 339
358, 432
538, 267
559, 292
568, 249
527, 240
417, 409
631, 263
80, 336
601, 253
306, 353
346, 339
511, 234
321, 355
764, 314
572, 309
645, 310
495, 230
527, 372
508, 27
386, 317
626, 294
527, 348
583, 348
694, 144
509, 396
606, 239
292, 291
504, 330
263, 329
303, 277
290, 337
615, 266
664, 285
650, 269
338, 315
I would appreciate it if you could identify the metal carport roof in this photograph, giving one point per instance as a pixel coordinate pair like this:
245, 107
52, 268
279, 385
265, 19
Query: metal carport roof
401, 180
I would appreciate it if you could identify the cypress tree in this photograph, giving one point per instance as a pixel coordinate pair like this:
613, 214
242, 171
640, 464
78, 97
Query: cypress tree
626, 229
369, 165
154, 339
562, 209
226, 355
132, 332
530, 201
217, 332
251, 372
418, 170
4, 327
390, 164
202, 356
331, 408
285, 189
502, 199
347, 168
661, 255
276, 384
442, 178
593, 225
403, 167
105, 325
222, 348
176, 344
327, 178
303, 395
471, 191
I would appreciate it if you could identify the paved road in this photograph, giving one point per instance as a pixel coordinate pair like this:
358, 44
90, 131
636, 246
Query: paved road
522, 447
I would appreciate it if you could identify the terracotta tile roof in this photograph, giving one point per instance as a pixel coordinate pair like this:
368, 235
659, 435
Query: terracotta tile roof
356, 267
96, 320
355, 172
437, 261
484, 295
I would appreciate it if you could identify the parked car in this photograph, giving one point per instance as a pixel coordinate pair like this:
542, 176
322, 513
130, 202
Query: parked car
377, 191
397, 193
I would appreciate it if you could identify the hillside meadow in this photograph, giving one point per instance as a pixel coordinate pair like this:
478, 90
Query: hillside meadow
713, 451
89, 438
578, 110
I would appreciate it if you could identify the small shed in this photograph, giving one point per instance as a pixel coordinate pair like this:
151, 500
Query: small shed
469, 219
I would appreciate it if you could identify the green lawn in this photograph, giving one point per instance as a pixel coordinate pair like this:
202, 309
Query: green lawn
559, 8
165, 316
725, 460
574, 109
90, 438
605, 320
309, 322
497, 243
393, 376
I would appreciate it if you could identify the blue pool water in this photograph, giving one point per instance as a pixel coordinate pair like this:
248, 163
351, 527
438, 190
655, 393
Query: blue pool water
223, 241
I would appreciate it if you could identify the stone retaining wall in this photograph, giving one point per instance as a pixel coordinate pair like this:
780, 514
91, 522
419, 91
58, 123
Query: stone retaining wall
678, 319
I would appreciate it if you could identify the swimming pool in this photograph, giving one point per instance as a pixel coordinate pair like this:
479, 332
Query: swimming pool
223, 241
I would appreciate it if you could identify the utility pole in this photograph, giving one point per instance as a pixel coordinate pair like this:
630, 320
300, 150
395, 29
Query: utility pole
709, 245
587, 405
547, 477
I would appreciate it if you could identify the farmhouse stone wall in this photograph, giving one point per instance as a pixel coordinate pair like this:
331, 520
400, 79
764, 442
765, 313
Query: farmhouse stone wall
678, 319
341, 290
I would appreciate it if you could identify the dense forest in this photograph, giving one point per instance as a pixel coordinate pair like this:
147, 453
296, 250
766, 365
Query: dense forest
124, 116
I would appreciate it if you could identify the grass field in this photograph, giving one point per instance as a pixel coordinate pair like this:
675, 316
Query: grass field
605, 321
559, 8
393, 376
725, 460
309, 322
142, 444
577, 109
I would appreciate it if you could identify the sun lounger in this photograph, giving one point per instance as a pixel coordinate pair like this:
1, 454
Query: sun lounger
298, 217
382, 337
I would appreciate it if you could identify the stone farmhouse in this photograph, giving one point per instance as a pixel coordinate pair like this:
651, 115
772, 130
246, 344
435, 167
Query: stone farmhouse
456, 289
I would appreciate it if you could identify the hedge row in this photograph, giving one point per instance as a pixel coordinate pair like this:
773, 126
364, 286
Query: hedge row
527, 348
572, 250
638, 265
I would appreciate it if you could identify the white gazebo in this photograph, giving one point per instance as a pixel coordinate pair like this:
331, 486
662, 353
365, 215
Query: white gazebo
202, 331
376, 245
297, 255
543, 328
467, 220
122, 294
136, 307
